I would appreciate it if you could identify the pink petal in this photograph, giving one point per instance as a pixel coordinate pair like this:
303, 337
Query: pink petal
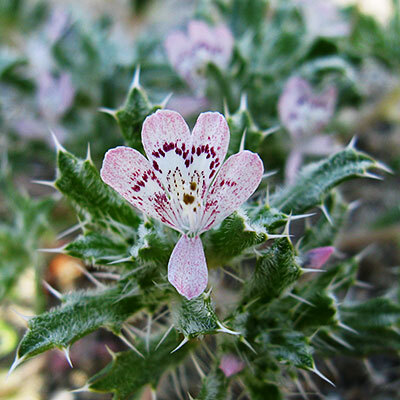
210, 140
321, 145
231, 365
225, 43
176, 45
166, 141
237, 180
200, 32
132, 176
293, 164
187, 268
188, 105
316, 258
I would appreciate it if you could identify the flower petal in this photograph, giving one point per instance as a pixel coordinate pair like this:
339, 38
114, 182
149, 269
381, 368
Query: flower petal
210, 140
187, 267
316, 258
166, 141
176, 45
231, 365
237, 180
225, 44
132, 176
201, 33
292, 167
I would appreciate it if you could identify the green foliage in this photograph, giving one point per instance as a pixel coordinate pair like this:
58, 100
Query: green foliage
123, 381
316, 179
214, 387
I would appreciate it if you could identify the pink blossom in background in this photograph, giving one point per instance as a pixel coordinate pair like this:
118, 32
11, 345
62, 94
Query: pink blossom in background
187, 105
185, 184
57, 24
189, 53
55, 95
316, 258
305, 114
323, 18
231, 365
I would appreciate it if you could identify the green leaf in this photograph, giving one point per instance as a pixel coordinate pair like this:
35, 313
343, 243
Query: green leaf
132, 114
8, 338
80, 314
324, 232
214, 386
288, 347
261, 390
127, 373
98, 248
235, 234
195, 317
316, 179
276, 270
80, 182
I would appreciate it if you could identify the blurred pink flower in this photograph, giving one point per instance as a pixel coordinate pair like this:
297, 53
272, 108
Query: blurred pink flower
190, 53
323, 18
184, 184
231, 365
187, 105
55, 95
317, 257
57, 24
305, 114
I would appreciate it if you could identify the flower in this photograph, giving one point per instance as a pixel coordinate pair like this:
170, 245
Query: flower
184, 183
317, 257
322, 18
305, 114
189, 54
231, 365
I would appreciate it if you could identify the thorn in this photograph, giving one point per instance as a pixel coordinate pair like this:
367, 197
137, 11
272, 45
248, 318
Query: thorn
242, 140
340, 341
243, 102
45, 183
17, 361
59, 147
66, 353
148, 332
383, 167
164, 337
69, 231
53, 291
224, 329
121, 260
107, 275
164, 103
352, 144
136, 76
370, 175
270, 236
363, 285
111, 353
244, 341
348, 328
322, 376
56, 250
269, 174
301, 299
190, 397
108, 111
197, 366
267, 196
88, 155
354, 204
130, 345
24, 317
324, 210
176, 385
313, 270
153, 394
81, 389
89, 276
233, 275
206, 295
226, 108
270, 131
184, 341
286, 231
301, 216
364, 252
301, 389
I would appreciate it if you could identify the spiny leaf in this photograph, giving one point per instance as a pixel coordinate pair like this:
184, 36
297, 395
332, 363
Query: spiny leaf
214, 386
131, 116
80, 314
276, 270
80, 182
195, 317
316, 179
127, 373
235, 234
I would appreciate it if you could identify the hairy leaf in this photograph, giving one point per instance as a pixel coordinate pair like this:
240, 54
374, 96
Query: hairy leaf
214, 386
316, 179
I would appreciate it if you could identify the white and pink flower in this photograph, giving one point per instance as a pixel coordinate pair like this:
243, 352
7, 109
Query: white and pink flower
323, 18
305, 114
185, 184
231, 365
190, 53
